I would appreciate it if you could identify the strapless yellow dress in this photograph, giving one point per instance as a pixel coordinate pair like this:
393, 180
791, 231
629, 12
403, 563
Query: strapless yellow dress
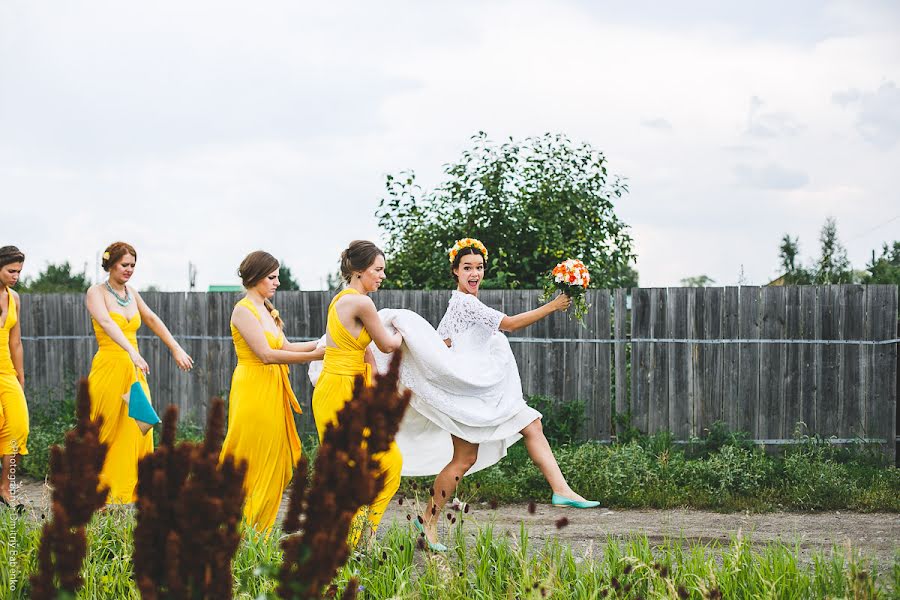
112, 373
13, 408
335, 386
261, 428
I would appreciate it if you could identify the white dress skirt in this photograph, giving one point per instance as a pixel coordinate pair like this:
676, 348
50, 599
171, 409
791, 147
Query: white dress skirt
471, 390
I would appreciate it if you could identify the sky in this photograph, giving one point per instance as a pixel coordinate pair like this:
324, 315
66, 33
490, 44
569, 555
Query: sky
201, 130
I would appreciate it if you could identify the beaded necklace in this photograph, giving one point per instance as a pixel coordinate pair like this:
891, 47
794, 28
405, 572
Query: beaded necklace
122, 301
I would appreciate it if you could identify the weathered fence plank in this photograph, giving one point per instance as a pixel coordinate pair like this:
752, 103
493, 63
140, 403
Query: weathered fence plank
640, 359
748, 329
620, 333
731, 363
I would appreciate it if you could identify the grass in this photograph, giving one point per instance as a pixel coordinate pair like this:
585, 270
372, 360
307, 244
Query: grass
485, 564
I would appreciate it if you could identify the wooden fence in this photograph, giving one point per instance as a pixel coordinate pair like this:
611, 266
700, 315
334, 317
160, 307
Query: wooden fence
759, 359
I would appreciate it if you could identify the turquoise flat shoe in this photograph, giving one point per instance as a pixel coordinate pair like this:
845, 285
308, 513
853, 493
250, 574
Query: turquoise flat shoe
558, 500
433, 546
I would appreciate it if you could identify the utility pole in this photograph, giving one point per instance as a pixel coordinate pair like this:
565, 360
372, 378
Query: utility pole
192, 276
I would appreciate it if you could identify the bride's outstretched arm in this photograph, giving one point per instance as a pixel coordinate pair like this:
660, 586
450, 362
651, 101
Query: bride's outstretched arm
512, 323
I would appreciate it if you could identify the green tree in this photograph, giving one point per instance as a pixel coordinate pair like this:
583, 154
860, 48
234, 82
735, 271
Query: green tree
57, 279
533, 204
788, 252
886, 268
833, 265
698, 281
333, 281
286, 279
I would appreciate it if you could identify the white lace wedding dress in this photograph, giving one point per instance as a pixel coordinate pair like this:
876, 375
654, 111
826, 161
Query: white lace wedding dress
471, 390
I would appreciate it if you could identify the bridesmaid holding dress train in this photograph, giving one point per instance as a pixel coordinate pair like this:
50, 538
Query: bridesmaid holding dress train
261, 403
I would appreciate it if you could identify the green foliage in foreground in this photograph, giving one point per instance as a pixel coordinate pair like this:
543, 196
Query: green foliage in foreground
726, 476
487, 564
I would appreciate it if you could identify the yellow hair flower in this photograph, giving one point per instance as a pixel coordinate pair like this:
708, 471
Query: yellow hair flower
106, 256
467, 243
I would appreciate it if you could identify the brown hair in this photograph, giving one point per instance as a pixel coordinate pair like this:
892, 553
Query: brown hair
255, 267
358, 256
10, 255
115, 252
465, 252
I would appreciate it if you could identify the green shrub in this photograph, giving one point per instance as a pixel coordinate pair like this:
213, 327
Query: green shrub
49, 423
563, 421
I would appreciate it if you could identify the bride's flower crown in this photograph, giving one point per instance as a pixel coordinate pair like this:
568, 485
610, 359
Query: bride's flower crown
467, 243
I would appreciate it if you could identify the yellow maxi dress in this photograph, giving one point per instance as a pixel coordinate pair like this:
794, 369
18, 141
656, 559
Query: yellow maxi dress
112, 373
13, 408
261, 428
335, 386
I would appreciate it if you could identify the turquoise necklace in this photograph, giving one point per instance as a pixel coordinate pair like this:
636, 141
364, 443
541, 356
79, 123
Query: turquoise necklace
122, 301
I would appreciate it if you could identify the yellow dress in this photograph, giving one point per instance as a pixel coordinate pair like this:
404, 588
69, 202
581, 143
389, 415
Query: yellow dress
13, 408
112, 373
335, 386
261, 428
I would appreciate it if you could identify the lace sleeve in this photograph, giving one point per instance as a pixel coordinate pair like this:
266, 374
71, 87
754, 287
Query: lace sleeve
466, 310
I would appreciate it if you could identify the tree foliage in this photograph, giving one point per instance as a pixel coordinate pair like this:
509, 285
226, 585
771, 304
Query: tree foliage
286, 279
697, 281
56, 278
833, 265
886, 268
533, 203
794, 273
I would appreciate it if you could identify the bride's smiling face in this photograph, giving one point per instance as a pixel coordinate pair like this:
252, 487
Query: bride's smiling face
469, 273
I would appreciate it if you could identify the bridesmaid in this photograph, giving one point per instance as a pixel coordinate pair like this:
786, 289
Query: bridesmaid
261, 428
117, 311
13, 409
352, 324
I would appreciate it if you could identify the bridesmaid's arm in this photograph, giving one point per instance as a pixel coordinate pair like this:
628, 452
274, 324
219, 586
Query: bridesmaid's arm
156, 325
15, 343
252, 331
300, 346
97, 308
365, 311
525, 319
310, 348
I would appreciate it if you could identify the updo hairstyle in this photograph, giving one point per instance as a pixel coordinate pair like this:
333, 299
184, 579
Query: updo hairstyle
358, 256
114, 252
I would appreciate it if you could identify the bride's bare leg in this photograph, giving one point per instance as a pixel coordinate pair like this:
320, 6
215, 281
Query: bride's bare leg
539, 449
464, 456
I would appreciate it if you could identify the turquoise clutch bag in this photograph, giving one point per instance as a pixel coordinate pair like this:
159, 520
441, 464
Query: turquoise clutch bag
140, 409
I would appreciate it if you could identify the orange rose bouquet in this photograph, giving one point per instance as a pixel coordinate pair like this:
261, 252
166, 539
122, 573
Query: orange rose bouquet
570, 277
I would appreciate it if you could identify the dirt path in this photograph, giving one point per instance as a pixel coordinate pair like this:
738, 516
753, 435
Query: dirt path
873, 534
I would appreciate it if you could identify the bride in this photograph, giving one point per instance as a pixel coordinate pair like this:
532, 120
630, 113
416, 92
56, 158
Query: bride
467, 406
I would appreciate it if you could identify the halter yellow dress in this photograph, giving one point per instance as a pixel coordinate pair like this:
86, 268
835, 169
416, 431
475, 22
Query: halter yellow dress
261, 428
13, 408
112, 373
335, 386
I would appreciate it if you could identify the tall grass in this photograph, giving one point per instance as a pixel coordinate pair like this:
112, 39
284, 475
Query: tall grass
484, 564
